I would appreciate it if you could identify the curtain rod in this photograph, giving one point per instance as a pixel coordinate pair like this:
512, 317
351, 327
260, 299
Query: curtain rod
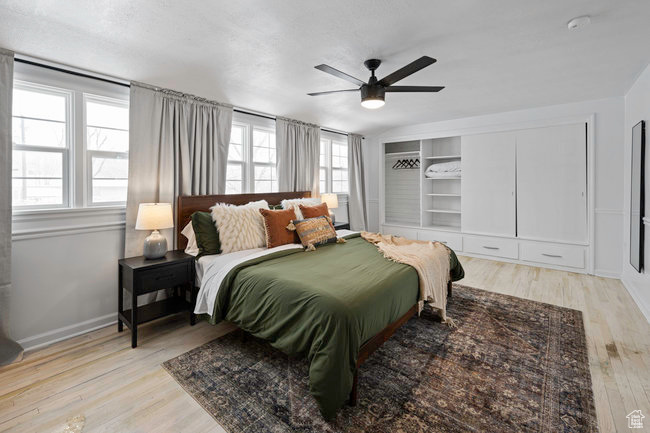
106, 80
68, 71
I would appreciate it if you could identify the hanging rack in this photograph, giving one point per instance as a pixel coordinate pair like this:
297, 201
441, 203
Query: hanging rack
407, 164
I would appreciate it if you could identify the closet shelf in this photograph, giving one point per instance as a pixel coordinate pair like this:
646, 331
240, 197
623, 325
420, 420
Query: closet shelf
443, 211
443, 178
443, 227
443, 195
410, 152
443, 157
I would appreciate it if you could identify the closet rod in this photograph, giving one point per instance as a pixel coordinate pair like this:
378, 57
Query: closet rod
68, 71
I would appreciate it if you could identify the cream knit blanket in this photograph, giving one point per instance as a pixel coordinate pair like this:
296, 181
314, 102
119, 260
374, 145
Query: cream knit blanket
430, 260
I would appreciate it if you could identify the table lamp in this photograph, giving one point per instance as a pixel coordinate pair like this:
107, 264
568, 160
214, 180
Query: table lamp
154, 216
332, 201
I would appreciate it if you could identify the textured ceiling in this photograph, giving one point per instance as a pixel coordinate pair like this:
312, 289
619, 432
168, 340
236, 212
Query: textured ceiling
492, 55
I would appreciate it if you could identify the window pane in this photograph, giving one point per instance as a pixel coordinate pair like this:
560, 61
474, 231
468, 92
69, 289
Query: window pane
339, 181
323, 153
109, 190
323, 180
235, 152
107, 139
32, 192
237, 135
39, 105
110, 168
108, 115
263, 146
38, 132
265, 178
233, 187
339, 155
234, 172
37, 164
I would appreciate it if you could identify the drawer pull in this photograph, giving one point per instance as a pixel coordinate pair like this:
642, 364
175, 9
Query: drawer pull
556, 256
490, 248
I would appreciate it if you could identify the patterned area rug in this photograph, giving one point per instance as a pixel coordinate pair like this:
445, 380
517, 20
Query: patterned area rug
511, 365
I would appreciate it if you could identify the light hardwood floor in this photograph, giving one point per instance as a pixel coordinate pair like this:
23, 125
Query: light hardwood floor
118, 389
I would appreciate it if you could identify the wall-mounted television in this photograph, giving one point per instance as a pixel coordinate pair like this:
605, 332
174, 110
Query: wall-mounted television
637, 205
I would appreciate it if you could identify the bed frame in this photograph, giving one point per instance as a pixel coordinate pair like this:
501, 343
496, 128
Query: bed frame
187, 205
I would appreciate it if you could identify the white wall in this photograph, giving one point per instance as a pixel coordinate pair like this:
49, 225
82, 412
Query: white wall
608, 143
64, 273
637, 108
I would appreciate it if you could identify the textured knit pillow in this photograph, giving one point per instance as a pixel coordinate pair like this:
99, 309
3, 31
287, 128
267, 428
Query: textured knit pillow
295, 202
315, 231
206, 234
240, 227
275, 227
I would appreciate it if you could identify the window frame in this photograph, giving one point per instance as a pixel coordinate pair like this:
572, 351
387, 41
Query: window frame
250, 123
328, 138
89, 153
75, 188
67, 152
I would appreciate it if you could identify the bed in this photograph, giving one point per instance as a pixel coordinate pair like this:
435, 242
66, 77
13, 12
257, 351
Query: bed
335, 305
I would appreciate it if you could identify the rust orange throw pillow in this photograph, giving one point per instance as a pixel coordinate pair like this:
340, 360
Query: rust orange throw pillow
314, 211
275, 226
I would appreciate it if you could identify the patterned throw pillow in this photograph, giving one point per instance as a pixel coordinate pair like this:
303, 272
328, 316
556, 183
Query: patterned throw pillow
275, 227
240, 227
315, 231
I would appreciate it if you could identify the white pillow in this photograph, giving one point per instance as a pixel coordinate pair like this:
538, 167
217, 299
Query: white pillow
240, 227
441, 167
192, 248
295, 202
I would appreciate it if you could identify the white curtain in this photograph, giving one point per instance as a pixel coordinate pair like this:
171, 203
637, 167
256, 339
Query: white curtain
357, 198
10, 351
178, 146
298, 152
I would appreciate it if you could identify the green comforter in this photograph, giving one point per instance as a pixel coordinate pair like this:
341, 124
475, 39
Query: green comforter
323, 304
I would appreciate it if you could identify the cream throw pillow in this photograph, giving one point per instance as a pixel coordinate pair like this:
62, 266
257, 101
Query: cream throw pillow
240, 227
293, 204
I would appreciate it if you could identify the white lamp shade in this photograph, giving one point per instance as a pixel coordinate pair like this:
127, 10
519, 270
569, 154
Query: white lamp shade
332, 200
154, 216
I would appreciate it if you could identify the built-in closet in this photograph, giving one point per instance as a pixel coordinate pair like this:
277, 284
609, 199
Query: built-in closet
517, 195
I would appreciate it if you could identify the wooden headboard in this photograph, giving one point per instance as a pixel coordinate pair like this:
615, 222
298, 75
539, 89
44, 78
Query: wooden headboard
189, 204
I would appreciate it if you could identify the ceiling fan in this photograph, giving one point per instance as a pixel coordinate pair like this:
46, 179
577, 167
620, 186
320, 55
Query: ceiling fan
373, 92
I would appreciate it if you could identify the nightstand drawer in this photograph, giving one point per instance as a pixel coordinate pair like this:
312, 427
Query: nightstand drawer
164, 277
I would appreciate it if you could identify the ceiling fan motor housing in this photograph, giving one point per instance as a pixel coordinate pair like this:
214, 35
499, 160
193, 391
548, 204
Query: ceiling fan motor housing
375, 91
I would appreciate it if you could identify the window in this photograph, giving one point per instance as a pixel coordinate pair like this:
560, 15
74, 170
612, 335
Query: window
333, 164
251, 156
41, 146
107, 146
70, 141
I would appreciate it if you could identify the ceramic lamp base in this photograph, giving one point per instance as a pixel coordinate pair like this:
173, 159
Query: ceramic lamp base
333, 217
155, 245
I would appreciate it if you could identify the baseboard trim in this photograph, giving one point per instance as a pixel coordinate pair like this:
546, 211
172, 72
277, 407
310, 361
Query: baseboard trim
45, 339
635, 293
607, 274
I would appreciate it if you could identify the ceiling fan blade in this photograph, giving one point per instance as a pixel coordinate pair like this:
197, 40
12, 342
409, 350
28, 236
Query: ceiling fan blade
414, 88
407, 70
332, 91
337, 73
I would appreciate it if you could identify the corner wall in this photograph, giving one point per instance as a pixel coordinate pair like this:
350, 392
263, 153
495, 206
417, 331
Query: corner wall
637, 108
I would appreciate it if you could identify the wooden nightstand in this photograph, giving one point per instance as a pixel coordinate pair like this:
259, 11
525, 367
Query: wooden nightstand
140, 276
342, 226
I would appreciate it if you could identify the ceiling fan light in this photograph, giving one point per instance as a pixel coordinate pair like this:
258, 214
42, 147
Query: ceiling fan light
372, 103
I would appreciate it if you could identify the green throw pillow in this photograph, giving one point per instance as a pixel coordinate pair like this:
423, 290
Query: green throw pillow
276, 207
207, 236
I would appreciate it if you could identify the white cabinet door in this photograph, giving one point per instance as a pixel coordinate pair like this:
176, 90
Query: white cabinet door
552, 183
488, 184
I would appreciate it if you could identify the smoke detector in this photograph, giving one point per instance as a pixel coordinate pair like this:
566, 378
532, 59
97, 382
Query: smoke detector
579, 22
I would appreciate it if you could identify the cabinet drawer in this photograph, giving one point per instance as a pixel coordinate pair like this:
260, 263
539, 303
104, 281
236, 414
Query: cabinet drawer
400, 231
163, 278
452, 240
553, 254
497, 247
